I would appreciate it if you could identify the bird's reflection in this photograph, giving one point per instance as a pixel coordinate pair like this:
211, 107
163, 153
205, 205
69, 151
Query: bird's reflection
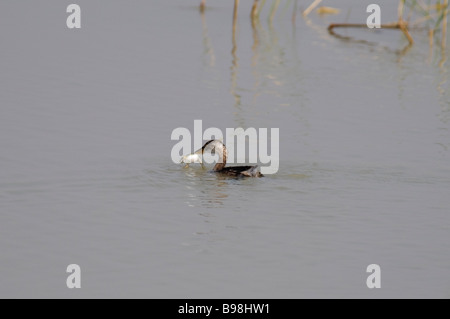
204, 188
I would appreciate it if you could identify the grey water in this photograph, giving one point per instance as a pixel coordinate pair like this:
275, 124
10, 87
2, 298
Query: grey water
86, 176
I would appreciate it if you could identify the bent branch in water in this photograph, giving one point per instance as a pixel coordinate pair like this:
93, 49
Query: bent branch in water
402, 25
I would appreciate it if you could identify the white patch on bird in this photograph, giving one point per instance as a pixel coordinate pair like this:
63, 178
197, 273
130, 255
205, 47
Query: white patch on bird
191, 158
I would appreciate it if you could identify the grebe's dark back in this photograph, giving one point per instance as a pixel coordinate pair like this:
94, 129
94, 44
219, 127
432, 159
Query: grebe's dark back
237, 171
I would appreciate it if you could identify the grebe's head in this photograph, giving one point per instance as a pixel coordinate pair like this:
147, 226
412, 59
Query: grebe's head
212, 152
215, 151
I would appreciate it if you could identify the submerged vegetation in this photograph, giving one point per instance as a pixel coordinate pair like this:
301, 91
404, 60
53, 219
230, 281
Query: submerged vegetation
413, 15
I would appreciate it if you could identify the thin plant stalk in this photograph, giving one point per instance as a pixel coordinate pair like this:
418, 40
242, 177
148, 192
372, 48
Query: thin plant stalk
444, 34
233, 35
395, 25
273, 10
361, 25
424, 19
294, 13
254, 13
286, 7
401, 6
430, 43
235, 16
402, 24
234, 63
431, 37
263, 2
209, 50
202, 5
444, 24
311, 7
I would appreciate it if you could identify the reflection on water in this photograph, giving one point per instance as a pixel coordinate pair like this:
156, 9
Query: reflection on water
270, 64
444, 95
204, 188
209, 50
235, 63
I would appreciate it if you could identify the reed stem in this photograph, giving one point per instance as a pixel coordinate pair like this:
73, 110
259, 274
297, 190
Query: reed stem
273, 10
235, 16
444, 25
202, 6
402, 25
401, 6
311, 7
263, 2
431, 37
332, 26
255, 11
